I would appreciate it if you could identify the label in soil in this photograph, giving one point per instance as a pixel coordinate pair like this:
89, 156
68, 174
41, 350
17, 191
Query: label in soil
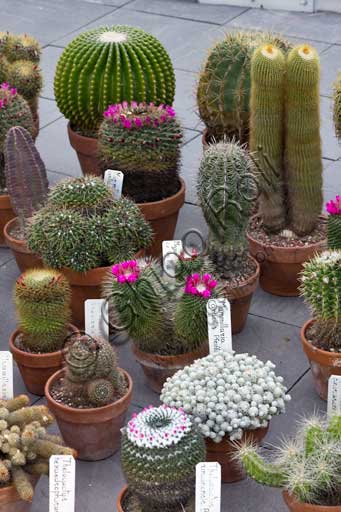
334, 396
208, 487
219, 325
97, 318
171, 249
114, 179
62, 483
6, 375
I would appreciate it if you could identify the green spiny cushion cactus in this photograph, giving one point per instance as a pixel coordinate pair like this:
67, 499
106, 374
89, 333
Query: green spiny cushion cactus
190, 262
334, 223
82, 194
143, 141
159, 454
267, 132
42, 298
27, 78
302, 139
107, 65
20, 47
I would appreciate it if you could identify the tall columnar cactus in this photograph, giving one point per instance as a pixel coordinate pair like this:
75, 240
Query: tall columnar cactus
107, 65
337, 106
25, 445
42, 298
309, 466
267, 132
334, 223
143, 141
160, 451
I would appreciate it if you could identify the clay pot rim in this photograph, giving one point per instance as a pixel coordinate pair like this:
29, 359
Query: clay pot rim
164, 207
308, 507
5, 202
148, 356
311, 348
82, 138
12, 240
120, 497
12, 493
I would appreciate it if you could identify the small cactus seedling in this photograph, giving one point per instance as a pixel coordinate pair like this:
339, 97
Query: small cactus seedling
334, 223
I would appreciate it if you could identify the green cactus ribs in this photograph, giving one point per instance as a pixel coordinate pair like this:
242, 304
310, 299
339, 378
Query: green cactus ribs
334, 223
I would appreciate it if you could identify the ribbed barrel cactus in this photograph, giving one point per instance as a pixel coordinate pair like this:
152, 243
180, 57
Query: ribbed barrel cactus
159, 454
107, 65
334, 223
143, 141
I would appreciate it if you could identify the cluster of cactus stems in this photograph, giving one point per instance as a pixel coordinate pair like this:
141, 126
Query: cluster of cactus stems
143, 141
308, 467
107, 65
25, 445
334, 223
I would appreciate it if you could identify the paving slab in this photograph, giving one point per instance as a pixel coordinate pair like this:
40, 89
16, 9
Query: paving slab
48, 112
332, 177
191, 228
191, 156
49, 59
330, 66
5, 255
185, 98
330, 145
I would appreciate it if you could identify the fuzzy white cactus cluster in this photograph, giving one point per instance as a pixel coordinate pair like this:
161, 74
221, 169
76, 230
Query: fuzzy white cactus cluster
227, 393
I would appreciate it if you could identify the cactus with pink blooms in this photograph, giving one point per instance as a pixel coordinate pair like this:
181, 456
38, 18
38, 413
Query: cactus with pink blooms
334, 223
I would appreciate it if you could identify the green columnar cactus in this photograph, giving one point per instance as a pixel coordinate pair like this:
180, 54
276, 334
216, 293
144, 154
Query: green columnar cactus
267, 132
334, 223
42, 298
107, 65
302, 140
337, 106
143, 141
309, 467
25, 446
160, 451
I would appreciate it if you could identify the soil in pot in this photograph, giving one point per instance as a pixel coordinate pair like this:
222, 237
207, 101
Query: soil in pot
16, 242
127, 502
6, 214
296, 506
10, 500
86, 147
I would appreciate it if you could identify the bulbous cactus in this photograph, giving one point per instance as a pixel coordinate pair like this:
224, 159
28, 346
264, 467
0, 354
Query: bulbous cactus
20, 47
337, 107
334, 223
107, 65
27, 78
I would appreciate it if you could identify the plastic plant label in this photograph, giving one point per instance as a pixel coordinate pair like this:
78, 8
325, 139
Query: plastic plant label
334, 396
171, 249
208, 487
62, 483
6, 375
219, 325
97, 318
114, 180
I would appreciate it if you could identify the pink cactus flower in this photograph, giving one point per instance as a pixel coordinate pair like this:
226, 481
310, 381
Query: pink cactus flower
200, 285
5, 85
127, 123
138, 122
126, 272
334, 207
13, 91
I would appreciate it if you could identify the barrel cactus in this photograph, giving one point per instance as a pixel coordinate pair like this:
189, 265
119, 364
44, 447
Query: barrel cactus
334, 223
107, 65
337, 106
159, 454
19, 47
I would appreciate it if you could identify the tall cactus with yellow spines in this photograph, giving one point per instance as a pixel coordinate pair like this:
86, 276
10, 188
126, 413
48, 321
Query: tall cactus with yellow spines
337, 106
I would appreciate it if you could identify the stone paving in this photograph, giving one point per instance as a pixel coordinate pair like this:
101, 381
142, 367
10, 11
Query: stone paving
187, 30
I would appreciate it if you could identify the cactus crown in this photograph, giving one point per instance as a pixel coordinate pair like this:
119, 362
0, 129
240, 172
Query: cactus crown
27, 78
334, 223
20, 47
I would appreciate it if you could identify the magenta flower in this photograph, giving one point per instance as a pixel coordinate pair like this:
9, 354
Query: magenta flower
127, 123
200, 285
134, 104
13, 91
2, 103
138, 122
170, 111
334, 207
126, 272
5, 85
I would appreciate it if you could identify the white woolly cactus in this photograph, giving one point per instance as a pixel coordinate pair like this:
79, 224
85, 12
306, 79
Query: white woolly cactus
227, 393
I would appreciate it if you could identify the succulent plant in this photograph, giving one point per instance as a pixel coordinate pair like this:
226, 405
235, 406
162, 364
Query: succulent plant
191, 262
107, 65
227, 393
334, 223
337, 106
26, 76
25, 446
143, 141
160, 451
19, 47
308, 466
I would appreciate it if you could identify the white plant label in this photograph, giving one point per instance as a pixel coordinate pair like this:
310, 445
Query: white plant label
62, 483
6, 375
114, 180
334, 396
208, 487
219, 325
97, 318
171, 249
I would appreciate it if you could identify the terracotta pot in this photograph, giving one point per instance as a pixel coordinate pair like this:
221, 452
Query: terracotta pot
10, 500
24, 257
223, 452
6, 214
158, 368
120, 498
296, 506
163, 217
323, 364
87, 152
95, 432
36, 369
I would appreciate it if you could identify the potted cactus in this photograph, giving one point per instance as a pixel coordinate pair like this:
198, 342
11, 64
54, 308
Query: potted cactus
321, 336
334, 223
231, 398
82, 230
285, 115
307, 468
114, 73
337, 106
90, 397
25, 451
160, 450
42, 298
143, 141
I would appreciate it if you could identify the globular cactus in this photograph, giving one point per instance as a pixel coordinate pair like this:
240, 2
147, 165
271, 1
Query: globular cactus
25, 445
42, 298
190, 262
19, 47
334, 223
107, 65
27, 78
337, 106
159, 453
143, 141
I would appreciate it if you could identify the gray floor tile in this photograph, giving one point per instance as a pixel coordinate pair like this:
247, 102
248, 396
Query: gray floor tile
49, 61
48, 112
332, 177
330, 145
330, 65
5, 255
185, 98
191, 156
115, 3
191, 227
248, 495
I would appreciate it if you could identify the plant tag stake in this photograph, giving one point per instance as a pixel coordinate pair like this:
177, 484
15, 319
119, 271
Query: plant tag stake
114, 180
97, 318
219, 325
62, 483
171, 249
334, 396
208, 487
6, 375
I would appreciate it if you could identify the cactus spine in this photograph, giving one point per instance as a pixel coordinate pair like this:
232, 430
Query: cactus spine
334, 223
337, 106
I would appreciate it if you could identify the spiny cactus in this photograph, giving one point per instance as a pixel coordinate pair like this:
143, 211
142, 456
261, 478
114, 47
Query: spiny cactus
107, 65
25, 445
190, 262
337, 106
308, 467
42, 298
143, 141
334, 223
26, 77
19, 47
159, 454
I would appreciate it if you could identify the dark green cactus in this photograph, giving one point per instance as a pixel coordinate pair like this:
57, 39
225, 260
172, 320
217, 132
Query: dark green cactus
107, 65
334, 223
